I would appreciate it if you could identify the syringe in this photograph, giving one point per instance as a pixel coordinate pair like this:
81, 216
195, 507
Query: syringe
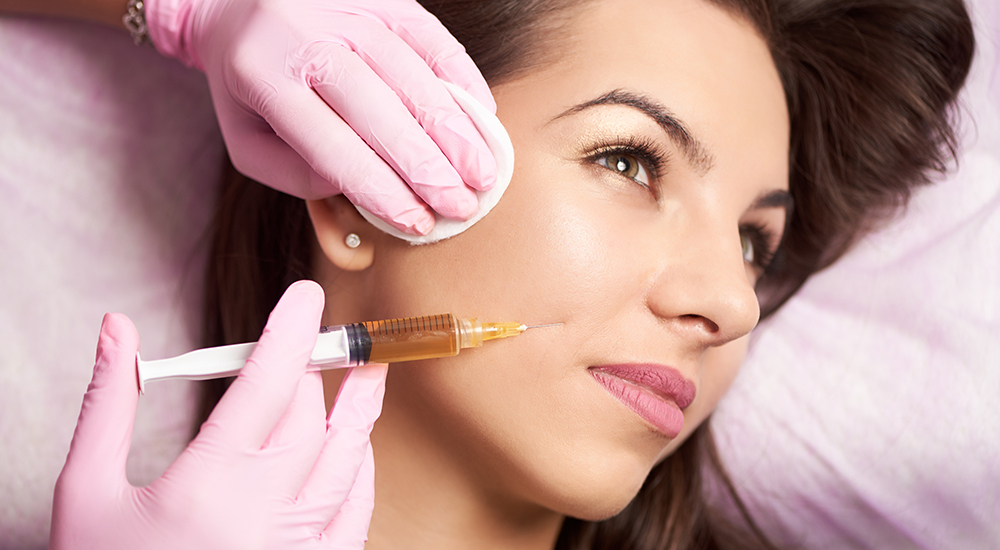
340, 346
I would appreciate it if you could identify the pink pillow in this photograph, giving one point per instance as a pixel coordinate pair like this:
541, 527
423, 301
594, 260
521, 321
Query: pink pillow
108, 154
868, 413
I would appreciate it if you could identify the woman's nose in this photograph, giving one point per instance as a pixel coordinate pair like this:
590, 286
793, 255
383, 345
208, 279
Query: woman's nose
704, 294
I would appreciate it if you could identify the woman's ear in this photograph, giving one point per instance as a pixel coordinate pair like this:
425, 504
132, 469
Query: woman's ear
345, 237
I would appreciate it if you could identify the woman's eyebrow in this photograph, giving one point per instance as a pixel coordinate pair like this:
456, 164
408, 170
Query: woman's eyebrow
697, 154
779, 198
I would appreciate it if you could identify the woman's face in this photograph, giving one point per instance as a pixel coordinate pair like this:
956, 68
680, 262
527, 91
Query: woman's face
651, 167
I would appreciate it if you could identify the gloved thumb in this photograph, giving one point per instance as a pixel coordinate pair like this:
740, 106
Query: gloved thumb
103, 433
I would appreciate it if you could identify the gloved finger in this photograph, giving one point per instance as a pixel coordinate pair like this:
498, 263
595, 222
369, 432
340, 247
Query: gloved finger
358, 405
391, 131
260, 395
349, 528
445, 55
342, 162
300, 433
256, 151
429, 102
99, 449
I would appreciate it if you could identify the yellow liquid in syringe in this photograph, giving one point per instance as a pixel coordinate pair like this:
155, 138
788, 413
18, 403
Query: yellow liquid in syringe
415, 338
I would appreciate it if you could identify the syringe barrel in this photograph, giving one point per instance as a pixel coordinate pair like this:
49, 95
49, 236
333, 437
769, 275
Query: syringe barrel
407, 339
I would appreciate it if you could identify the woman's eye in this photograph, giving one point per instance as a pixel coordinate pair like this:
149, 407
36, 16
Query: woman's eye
749, 252
625, 164
756, 250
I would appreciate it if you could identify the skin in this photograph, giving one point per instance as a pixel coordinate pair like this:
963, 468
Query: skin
493, 448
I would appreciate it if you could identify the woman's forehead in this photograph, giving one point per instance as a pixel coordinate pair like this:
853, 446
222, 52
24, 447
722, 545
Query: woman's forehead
704, 76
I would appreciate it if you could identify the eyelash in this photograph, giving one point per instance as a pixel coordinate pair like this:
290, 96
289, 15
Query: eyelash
761, 238
653, 158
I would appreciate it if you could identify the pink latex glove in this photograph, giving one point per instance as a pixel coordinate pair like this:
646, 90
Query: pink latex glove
267, 470
320, 97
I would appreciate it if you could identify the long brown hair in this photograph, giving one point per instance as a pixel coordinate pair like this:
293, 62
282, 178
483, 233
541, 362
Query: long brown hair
869, 85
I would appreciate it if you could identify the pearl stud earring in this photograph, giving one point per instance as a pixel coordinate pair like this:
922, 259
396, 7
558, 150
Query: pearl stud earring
352, 240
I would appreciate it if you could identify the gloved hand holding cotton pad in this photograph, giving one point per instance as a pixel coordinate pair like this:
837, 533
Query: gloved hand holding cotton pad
503, 151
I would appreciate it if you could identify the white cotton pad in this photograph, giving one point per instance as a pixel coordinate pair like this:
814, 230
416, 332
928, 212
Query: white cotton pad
503, 151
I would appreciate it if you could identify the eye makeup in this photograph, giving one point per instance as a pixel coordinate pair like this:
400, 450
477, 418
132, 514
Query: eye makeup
647, 152
763, 245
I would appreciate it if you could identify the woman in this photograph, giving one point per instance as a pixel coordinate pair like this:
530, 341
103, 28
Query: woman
652, 196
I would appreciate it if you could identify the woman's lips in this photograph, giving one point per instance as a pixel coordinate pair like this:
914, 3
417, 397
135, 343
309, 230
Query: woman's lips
655, 392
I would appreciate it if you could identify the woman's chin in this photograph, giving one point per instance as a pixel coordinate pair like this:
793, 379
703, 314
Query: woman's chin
597, 506
592, 490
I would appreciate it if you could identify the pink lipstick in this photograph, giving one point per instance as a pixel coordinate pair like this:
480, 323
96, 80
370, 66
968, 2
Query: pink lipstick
657, 393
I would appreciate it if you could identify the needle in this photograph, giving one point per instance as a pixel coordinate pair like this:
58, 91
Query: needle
526, 327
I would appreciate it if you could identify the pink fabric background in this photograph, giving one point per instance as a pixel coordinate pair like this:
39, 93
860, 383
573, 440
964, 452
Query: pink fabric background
866, 417
868, 413
107, 154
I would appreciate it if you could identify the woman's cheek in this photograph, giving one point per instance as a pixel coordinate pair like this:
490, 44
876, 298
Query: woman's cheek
578, 242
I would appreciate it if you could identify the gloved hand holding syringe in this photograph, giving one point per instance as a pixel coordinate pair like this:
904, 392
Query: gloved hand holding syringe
391, 341
266, 468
